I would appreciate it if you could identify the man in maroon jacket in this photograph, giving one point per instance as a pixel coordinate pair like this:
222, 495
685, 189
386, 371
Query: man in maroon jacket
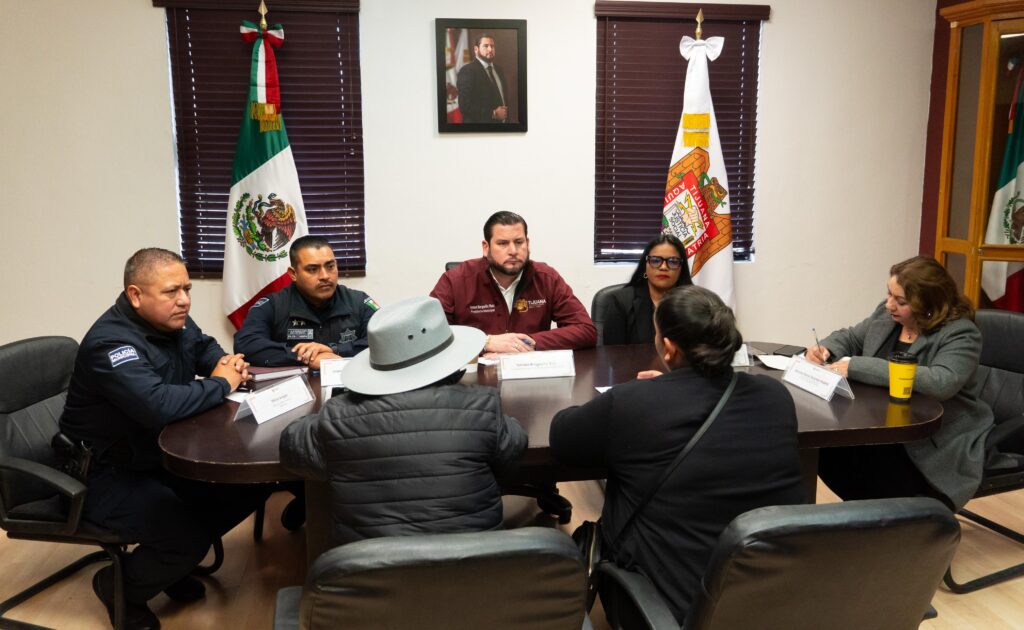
512, 298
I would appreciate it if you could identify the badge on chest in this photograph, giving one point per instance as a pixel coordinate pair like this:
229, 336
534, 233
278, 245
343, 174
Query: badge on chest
299, 330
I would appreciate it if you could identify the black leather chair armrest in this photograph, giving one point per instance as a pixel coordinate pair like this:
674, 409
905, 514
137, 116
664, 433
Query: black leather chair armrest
65, 484
643, 594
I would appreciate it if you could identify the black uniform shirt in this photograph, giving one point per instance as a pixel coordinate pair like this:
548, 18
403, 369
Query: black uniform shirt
277, 322
130, 380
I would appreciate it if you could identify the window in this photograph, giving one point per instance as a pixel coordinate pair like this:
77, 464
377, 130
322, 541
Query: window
320, 102
639, 100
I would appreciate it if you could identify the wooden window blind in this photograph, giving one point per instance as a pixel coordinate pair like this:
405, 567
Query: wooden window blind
639, 100
321, 105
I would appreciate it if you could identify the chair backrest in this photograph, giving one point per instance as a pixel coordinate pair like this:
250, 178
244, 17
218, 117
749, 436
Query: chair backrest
448, 266
34, 378
858, 564
599, 307
523, 578
1001, 375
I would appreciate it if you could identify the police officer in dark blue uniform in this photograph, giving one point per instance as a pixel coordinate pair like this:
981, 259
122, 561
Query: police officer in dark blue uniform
134, 374
313, 318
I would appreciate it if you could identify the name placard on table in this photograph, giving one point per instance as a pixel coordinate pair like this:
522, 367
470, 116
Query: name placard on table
813, 378
542, 364
270, 402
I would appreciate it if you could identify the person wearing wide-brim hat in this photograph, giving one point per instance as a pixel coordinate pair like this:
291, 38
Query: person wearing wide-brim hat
407, 450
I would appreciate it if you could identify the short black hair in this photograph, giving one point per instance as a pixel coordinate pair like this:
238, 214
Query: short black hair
503, 217
142, 263
480, 38
305, 242
641, 268
703, 327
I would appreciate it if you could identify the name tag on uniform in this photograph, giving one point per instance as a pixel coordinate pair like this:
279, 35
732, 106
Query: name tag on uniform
268, 403
300, 334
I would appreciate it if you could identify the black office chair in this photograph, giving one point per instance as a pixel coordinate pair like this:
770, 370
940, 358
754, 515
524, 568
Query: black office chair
1001, 372
530, 578
852, 565
37, 500
448, 266
599, 307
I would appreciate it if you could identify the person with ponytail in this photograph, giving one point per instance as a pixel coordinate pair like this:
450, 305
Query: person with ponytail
746, 459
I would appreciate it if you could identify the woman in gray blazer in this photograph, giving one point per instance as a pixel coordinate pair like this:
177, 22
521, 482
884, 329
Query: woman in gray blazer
924, 314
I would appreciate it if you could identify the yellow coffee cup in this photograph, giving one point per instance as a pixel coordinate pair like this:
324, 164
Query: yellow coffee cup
902, 367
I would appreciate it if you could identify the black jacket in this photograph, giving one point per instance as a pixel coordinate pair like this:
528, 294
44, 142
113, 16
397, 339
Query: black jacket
747, 459
478, 96
412, 463
131, 380
630, 316
279, 321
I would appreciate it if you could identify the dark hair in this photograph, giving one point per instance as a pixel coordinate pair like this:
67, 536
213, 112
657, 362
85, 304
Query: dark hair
503, 217
142, 263
931, 292
703, 327
305, 242
641, 267
480, 38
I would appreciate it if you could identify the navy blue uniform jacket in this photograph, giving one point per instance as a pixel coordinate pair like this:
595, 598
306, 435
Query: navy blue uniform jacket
131, 380
279, 321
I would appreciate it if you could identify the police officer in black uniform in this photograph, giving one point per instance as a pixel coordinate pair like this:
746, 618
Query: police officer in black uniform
134, 374
313, 318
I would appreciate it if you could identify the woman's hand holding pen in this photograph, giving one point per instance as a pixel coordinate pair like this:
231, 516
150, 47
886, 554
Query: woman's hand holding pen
818, 354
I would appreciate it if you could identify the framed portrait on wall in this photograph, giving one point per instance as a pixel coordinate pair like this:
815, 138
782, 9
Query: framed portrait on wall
481, 75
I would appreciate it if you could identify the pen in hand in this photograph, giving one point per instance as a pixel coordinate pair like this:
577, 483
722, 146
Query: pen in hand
817, 344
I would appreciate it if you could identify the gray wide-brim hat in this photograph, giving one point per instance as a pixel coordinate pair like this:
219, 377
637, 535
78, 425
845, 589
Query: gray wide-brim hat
411, 346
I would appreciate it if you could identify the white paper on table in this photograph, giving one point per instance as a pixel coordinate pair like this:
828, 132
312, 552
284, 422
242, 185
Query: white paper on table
330, 372
542, 364
273, 401
775, 361
237, 396
485, 362
818, 380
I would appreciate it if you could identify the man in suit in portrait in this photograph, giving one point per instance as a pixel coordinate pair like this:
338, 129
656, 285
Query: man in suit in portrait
481, 83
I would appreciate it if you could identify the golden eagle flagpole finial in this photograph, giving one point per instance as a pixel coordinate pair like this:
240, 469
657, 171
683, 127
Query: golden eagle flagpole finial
700, 18
263, 15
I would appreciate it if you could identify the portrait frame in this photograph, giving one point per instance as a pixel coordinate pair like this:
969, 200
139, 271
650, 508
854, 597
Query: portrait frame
454, 50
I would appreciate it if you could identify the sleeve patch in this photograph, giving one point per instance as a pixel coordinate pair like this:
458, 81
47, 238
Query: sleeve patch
260, 302
124, 354
370, 302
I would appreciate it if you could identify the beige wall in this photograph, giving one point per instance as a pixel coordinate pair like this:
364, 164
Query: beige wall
87, 158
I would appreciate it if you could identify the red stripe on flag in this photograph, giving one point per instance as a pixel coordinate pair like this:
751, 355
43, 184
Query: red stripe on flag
1013, 299
273, 87
237, 317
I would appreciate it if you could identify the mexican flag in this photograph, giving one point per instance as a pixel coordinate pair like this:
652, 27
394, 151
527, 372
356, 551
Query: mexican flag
456, 55
265, 210
695, 206
1003, 282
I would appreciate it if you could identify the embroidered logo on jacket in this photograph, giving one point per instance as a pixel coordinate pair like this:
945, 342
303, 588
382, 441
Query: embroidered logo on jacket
124, 354
522, 305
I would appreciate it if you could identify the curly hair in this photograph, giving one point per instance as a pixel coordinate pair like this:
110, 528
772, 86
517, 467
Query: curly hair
931, 292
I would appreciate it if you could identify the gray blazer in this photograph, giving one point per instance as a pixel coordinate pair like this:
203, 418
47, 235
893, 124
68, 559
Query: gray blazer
952, 459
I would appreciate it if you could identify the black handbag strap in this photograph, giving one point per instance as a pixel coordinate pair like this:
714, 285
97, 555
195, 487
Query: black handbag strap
679, 458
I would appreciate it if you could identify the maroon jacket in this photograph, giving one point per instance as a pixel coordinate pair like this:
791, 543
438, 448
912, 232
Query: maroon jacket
471, 297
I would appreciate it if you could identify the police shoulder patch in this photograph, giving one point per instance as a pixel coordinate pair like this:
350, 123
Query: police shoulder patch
124, 354
260, 302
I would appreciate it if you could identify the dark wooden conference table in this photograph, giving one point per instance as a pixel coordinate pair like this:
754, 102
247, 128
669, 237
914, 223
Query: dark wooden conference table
213, 447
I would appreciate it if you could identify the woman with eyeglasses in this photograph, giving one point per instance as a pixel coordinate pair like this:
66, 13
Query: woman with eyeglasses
630, 316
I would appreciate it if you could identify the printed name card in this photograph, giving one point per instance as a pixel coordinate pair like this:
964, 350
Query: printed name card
270, 402
818, 380
544, 364
330, 372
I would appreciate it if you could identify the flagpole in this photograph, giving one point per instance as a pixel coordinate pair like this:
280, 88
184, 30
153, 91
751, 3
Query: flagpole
263, 15
700, 18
